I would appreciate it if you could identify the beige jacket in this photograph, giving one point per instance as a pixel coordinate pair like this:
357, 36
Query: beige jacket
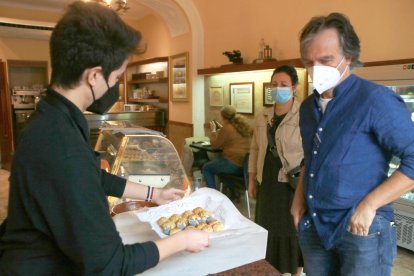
287, 138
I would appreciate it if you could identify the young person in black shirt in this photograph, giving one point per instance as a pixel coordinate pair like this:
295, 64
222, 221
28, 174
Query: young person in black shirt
58, 221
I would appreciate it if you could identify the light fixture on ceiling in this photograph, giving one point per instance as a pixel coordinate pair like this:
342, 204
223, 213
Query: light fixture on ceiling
120, 6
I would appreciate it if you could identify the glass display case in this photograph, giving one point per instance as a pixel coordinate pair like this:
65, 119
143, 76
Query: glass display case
404, 206
404, 213
141, 155
407, 93
399, 77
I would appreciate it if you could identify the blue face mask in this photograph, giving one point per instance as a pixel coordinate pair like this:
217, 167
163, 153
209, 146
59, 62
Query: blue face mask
281, 94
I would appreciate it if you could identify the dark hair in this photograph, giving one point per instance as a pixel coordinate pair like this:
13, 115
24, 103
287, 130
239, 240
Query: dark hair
347, 37
89, 35
289, 70
239, 122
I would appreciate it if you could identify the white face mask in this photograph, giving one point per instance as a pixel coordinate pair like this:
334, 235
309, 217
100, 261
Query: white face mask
326, 77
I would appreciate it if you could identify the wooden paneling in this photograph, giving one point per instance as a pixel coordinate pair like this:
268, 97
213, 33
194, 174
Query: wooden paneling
177, 132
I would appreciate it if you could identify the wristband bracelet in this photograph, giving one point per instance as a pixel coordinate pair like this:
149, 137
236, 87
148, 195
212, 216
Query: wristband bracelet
150, 193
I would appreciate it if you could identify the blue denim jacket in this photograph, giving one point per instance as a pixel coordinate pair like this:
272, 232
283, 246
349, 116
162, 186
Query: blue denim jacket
347, 151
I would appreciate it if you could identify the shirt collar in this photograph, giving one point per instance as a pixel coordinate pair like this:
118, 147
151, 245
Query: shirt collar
341, 88
69, 109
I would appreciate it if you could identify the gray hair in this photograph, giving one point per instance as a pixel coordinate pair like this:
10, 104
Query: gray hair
347, 37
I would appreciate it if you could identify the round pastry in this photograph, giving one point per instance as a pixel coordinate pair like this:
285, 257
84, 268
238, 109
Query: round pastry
205, 216
193, 220
174, 218
167, 226
213, 221
162, 220
190, 227
207, 228
175, 230
201, 225
200, 219
210, 219
218, 227
181, 223
186, 214
207, 213
198, 210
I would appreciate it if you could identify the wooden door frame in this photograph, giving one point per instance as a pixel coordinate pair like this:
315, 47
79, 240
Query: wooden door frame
6, 124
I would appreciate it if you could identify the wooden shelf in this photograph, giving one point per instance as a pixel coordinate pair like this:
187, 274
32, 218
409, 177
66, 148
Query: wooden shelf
147, 61
159, 86
159, 80
147, 100
388, 62
231, 68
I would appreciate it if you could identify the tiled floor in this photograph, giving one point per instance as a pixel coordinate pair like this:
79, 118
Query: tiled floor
403, 265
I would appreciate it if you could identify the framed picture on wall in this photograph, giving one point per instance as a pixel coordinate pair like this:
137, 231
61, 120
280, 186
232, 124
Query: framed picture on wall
178, 74
216, 96
242, 97
267, 96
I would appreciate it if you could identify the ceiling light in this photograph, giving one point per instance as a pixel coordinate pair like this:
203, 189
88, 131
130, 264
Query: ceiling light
120, 6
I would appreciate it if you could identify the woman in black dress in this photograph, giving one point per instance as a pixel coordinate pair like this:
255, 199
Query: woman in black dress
276, 149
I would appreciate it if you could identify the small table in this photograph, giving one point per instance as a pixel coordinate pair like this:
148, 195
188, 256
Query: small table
204, 153
204, 147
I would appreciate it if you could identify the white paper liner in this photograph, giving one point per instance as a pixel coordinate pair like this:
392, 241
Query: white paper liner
209, 199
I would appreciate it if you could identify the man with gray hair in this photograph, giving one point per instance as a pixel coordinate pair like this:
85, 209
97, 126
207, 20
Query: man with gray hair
351, 128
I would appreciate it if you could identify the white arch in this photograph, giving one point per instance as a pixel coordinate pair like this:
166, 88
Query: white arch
170, 12
180, 17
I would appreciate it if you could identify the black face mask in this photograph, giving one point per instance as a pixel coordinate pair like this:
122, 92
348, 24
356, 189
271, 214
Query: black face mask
104, 103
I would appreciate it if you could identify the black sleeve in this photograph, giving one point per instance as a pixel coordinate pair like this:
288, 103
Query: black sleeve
75, 211
112, 184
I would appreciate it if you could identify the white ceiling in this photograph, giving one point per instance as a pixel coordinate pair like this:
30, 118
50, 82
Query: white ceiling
136, 11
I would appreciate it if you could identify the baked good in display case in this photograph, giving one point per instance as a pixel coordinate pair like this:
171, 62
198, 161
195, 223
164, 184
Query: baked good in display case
143, 156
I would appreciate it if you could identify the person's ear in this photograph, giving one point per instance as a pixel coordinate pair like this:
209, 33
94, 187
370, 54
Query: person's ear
348, 60
92, 75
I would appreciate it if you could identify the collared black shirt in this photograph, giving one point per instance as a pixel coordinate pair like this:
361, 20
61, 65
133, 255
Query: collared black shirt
58, 220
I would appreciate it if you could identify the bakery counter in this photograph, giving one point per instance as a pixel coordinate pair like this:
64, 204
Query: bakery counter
229, 249
153, 119
140, 118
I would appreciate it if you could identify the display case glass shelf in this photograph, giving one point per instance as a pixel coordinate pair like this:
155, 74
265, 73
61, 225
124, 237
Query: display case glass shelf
143, 156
